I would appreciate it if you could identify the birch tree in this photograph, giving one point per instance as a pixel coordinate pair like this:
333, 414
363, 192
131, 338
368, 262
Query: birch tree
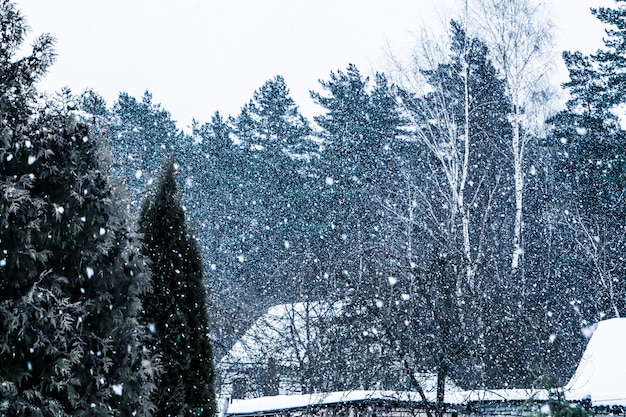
519, 37
461, 126
428, 295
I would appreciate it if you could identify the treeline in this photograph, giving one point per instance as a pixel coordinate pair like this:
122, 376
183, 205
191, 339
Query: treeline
477, 235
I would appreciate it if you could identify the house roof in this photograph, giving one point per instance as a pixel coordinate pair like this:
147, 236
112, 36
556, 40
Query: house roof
290, 402
277, 403
600, 376
279, 333
601, 373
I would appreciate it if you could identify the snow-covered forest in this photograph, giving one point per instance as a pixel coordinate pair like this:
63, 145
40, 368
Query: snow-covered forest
455, 216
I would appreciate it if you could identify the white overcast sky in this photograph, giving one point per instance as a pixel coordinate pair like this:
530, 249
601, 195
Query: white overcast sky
200, 56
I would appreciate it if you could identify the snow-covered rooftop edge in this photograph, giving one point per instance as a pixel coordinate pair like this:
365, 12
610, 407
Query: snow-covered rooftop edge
284, 402
600, 377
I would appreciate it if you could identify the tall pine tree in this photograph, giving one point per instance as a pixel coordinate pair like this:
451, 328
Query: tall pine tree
360, 127
175, 310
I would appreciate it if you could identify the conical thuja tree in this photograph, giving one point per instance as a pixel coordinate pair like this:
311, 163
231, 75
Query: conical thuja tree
70, 275
175, 310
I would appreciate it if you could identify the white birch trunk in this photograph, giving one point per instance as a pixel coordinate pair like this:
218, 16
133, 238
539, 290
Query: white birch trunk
465, 210
519, 36
518, 157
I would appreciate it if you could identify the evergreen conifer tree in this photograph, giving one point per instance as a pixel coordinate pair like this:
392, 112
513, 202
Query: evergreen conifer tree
176, 310
358, 171
590, 143
70, 274
142, 134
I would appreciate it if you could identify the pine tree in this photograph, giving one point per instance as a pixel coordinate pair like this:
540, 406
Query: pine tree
142, 134
176, 310
360, 128
70, 273
590, 142
275, 153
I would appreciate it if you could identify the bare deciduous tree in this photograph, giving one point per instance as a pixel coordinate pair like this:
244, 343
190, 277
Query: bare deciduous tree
519, 37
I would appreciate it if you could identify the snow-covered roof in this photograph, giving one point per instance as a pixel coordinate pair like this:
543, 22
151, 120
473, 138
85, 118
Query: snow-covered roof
280, 333
284, 402
600, 376
601, 373
453, 397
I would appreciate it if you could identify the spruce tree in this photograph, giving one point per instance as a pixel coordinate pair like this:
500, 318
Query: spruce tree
358, 170
175, 310
70, 274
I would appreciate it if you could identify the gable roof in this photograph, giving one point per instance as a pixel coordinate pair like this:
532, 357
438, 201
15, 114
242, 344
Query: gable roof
601, 373
280, 333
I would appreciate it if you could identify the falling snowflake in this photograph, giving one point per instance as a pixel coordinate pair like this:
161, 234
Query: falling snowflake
588, 331
89, 270
117, 389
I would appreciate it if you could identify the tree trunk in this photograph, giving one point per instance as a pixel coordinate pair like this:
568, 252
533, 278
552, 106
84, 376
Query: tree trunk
518, 155
440, 405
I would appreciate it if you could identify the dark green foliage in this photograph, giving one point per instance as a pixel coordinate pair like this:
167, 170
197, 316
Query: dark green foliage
359, 130
70, 273
591, 148
590, 139
272, 120
611, 60
358, 170
18, 77
255, 170
358, 176
175, 311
